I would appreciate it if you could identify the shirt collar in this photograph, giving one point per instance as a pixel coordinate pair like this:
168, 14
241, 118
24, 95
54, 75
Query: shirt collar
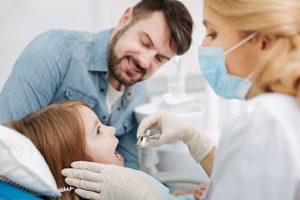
99, 59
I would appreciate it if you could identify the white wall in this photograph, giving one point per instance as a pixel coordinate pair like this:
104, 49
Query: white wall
21, 21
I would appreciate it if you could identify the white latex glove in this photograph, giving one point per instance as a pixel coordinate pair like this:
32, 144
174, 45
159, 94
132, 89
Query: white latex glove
109, 182
174, 128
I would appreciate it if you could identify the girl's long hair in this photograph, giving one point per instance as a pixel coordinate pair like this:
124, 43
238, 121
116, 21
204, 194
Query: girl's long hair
58, 133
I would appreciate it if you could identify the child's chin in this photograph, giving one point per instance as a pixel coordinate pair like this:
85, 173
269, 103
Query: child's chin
121, 164
118, 163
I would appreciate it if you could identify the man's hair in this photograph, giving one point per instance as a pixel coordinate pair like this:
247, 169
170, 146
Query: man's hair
177, 16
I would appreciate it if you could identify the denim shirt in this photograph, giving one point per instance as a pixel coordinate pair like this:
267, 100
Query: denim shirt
61, 65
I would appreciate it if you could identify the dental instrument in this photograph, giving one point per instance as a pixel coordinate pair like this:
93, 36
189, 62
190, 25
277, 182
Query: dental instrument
143, 141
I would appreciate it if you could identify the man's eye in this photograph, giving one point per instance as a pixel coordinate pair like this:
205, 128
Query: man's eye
158, 59
145, 44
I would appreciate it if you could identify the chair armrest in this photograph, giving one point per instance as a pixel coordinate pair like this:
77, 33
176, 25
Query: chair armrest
179, 177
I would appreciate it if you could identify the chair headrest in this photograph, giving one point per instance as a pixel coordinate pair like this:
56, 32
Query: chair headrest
22, 163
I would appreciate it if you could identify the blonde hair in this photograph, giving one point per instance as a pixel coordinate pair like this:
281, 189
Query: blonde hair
278, 20
58, 133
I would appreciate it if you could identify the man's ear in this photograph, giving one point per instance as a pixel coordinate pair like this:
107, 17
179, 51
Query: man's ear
125, 19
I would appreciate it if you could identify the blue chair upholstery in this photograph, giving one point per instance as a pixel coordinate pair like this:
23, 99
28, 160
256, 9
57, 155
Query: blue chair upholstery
10, 192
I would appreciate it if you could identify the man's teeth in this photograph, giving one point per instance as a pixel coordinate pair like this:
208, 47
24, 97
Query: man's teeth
131, 65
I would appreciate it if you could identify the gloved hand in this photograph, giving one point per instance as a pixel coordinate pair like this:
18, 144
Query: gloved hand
174, 128
109, 182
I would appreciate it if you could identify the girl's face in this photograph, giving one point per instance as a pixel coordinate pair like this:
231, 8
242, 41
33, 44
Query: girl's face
100, 139
219, 33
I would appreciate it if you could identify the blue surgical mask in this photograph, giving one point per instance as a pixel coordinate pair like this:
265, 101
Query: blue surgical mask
212, 65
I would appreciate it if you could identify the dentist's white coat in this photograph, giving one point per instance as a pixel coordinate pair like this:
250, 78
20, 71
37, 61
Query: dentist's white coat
259, 152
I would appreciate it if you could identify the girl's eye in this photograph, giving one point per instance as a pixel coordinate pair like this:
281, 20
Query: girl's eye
98, 130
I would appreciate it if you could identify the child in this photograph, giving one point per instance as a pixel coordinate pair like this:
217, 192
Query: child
68, 131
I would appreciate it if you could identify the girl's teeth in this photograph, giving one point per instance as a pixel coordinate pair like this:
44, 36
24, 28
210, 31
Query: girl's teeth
118, 156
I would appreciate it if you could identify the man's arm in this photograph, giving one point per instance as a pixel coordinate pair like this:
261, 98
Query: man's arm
35, 77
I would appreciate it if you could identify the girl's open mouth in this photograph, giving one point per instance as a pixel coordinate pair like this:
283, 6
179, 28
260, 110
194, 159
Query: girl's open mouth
119, 157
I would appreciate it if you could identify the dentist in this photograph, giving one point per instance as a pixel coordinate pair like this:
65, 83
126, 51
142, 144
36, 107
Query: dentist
251, 51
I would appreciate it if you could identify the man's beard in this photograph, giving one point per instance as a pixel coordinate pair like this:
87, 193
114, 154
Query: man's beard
113, 60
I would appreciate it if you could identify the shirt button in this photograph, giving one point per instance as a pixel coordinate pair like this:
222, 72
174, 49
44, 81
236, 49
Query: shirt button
101, 89
125, 128
119, 108
104, 117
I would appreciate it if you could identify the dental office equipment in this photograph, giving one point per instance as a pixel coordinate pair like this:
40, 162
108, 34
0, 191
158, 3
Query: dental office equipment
176, 84
143, 141
65, 189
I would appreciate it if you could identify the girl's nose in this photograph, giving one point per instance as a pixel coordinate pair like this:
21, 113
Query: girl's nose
112, 130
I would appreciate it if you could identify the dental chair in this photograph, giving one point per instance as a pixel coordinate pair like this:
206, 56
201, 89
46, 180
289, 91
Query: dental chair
8, 191
24, 174
178, 177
